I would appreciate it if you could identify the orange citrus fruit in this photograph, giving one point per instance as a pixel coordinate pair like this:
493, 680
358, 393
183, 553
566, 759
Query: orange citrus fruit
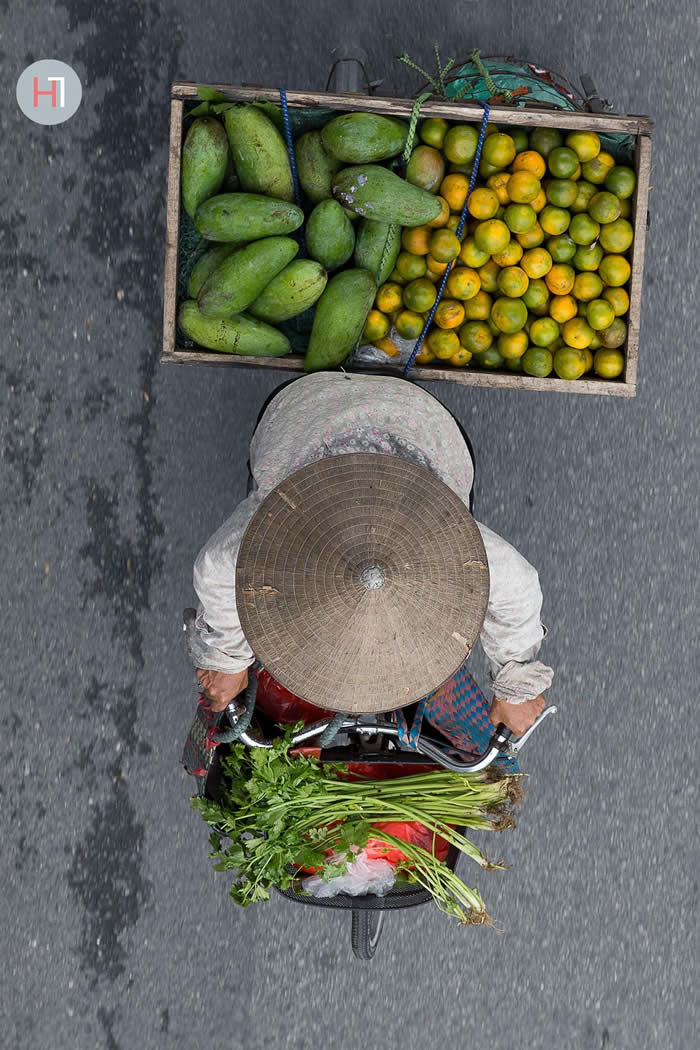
569, 363
523, 187
376, 327
583, 229
444, 246
554, 221
470, 255
483, 203
389, 298
513, 281
584, 194
585, 144
536, 297
587, 352
621, 181
599, 314
488, 275
616, 236
478, 308
587, 286
509, 315
561, 248
520, 218
608, 364
492, 236
615, 334
577, 333
499, 183
475, 336
537, 361
419, 295
433, 130
536, 262
463, 283
562, 308
442, 343
596, 170
396, 278
588, 257
618, 299
512, 345
560, 279
461, 358
544, 331
530, 160
416, 240
460, 142
444, 215
424, 356
454, 189
498, 150
387, 346
561, 192
562, 162
615, 270
544, 140
511, 254
449, 314
409, 324
435, 268
604, 207
490, 359
539, 202
411, 266
533, 238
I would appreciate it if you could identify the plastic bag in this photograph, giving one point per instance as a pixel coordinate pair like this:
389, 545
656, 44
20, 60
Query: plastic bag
364, 875
370, 354
410, 831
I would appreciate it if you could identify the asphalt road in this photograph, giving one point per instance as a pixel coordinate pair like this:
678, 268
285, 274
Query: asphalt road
115, 932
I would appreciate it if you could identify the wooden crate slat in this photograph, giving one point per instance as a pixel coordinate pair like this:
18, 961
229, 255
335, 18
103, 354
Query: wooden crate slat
565, 119
172, 227
638, 248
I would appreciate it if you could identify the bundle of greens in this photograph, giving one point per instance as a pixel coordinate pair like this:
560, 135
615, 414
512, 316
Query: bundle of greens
280, 812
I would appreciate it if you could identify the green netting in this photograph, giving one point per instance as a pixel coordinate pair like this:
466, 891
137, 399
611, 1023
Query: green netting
550, 89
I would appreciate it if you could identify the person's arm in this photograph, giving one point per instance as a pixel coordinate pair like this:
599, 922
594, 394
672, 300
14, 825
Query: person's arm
217, 645
512, 634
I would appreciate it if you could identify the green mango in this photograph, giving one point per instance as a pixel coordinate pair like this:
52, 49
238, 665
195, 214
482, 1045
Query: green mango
426, 168
369, 247
330, 237
361, 138
230, 183
314, 167
204, 161
205, 266
339, 319
259, 152
293, 290
244, 217
376, 193
234, 335
240, 279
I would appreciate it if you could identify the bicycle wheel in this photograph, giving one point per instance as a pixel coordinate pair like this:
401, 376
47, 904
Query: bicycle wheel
366, 931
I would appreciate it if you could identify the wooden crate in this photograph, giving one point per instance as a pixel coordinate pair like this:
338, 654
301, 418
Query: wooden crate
638, 126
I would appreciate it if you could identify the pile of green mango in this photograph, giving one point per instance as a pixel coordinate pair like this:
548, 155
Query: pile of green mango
237, 188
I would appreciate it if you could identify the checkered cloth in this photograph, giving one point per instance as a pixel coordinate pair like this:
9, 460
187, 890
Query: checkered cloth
459, 710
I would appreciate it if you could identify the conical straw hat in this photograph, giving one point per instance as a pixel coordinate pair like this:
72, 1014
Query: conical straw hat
362, 582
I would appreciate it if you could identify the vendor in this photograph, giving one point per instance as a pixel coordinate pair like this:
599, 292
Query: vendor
333, 414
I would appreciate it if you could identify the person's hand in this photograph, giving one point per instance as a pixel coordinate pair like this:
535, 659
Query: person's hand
221, 688
518, 717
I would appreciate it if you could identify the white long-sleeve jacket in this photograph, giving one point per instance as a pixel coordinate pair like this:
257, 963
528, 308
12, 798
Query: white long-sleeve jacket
334, 413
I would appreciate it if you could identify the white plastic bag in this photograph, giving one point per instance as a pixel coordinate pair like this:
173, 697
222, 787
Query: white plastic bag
364, 875
370, 354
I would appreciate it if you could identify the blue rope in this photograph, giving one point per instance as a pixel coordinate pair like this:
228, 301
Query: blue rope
292, 163
460, 228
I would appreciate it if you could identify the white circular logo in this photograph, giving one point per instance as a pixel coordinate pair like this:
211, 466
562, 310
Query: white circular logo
49, 91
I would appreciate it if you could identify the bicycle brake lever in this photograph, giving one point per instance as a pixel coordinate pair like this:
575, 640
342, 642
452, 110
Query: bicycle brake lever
515, 747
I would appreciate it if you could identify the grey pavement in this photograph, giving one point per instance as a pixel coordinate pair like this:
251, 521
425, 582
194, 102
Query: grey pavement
116, 934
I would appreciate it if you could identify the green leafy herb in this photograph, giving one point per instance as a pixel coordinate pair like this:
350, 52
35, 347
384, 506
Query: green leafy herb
280, 812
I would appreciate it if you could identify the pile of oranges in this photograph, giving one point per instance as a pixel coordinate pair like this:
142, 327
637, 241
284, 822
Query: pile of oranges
536, 281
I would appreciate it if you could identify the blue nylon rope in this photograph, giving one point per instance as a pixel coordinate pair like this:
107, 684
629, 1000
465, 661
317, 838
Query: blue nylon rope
460, 228
292, 163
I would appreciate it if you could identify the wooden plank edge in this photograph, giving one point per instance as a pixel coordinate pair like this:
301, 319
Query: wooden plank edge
295, 363
638, 251
565, 119
172, 227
